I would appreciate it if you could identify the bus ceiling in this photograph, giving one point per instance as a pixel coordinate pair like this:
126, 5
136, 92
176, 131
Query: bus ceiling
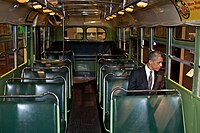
156, 13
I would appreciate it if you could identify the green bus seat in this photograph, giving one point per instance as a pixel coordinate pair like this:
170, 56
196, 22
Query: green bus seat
60, 55
111, 81
112, 62
34, 88
118, 70
55, 65
42, 72
147, 114
29, 116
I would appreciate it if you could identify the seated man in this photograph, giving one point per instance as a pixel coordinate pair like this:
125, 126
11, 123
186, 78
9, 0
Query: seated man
149, 76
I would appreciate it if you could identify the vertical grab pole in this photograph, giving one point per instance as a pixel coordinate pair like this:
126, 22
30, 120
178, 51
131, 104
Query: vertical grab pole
63, 27
15, 42
168, 52
25, 43
63, 31
196, 77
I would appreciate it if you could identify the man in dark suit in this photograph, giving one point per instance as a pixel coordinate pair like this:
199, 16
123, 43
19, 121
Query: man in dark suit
148, 77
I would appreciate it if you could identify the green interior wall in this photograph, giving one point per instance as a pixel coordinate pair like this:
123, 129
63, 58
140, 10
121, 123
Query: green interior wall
191, 107
13, 73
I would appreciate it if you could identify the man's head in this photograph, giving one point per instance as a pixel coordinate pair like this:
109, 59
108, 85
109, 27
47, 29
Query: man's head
155, 60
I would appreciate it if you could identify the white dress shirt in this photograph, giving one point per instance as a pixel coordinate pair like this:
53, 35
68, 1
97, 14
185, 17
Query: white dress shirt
148, 73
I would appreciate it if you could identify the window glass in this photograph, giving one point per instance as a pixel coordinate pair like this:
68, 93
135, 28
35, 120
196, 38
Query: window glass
6, 57
20, 52
10, 55
96, 33
20, 45
134, 50
5, 29
185, 33
160, 32
2, 58
146, 32
125, 41
181, 61
133, 31
145, 51
72, 33
161, 48
6, 49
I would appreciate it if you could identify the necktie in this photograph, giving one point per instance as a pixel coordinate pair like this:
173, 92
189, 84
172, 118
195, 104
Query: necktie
150, 80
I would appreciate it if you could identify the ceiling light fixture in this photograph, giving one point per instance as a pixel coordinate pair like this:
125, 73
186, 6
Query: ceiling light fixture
142, 3
47, 10
36, 5
111, 17
121, 12
22, 1
52, 13
129, 9
114, 15
107, 18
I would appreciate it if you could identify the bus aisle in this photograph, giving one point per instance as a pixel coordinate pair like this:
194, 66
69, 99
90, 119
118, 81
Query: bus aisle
84, 116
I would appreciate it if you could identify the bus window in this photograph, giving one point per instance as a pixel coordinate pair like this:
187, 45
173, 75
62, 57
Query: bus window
162, 48
160, 32
133, 31
6, 49
20, 52
145, 51
146, 32
73, 33
182, 60
184, 33
6, 57
94, 33
20, 46
2, 59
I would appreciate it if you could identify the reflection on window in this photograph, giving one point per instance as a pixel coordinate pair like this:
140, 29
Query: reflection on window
96, 34
181, 68
160, 32
185, 33
72, 33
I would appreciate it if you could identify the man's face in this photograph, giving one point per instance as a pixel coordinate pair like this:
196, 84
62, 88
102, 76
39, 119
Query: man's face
157, 63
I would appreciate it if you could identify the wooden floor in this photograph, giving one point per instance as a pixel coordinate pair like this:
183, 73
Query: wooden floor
84, 115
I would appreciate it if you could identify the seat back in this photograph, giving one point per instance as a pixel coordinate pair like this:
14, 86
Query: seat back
147, 114
14, 87
111, 81
60, 55
112, 62
42, 72
55, 55
22, 116
118, 70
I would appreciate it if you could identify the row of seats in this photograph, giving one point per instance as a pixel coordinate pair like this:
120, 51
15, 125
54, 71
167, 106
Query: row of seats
112, 71
146, 113
54, 77
119, 107
23, 116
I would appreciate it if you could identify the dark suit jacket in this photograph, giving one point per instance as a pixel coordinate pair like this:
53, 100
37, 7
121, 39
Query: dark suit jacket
138, 80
